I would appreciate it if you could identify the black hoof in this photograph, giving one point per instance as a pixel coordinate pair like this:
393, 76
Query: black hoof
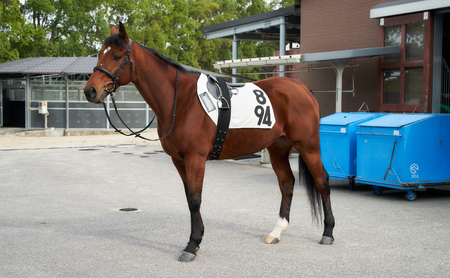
326, 240
186, 257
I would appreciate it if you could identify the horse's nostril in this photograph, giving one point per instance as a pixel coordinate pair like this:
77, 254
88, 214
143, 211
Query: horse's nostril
90, 93
93, 92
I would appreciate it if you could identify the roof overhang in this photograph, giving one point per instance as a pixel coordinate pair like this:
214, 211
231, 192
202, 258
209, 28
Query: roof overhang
400, 7
261, 27
49, 65
349, 54
308, 58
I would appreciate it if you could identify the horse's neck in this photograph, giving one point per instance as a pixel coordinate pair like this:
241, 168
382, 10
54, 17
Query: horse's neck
155, 80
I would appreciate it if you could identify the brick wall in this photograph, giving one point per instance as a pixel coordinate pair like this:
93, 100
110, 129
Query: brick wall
329, 25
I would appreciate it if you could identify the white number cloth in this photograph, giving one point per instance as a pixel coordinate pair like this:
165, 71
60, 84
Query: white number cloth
250, 106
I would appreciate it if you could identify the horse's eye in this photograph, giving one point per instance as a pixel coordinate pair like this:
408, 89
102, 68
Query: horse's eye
117, 57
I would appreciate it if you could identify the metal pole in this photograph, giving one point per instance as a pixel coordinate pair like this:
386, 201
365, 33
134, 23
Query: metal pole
282, 42
339, 67
107, 109
234, 56
67, 100
28, 102
1, 104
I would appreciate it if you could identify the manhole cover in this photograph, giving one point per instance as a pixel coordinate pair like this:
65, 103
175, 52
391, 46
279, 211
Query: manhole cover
128, 209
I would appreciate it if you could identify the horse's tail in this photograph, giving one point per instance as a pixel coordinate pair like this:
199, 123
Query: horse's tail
314, 196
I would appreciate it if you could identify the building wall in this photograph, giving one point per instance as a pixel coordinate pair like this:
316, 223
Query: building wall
329, 25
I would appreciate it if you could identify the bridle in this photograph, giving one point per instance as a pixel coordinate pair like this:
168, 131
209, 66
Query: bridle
114, 78
119, 72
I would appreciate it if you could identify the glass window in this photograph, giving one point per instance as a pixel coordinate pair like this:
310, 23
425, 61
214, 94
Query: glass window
414, 85
391, 86
414, 41
392, 37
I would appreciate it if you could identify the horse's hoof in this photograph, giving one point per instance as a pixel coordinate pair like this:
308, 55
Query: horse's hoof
186, 257
326, 240
272, 240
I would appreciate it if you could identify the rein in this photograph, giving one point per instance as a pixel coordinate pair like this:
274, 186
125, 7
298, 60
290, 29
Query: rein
113, 90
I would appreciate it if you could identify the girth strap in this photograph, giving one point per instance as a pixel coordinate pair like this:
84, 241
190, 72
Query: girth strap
223, 121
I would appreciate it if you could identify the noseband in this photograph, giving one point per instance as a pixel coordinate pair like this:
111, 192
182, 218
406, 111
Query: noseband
115, 77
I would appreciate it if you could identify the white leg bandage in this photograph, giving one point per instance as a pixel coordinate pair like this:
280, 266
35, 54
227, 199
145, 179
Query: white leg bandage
282, 225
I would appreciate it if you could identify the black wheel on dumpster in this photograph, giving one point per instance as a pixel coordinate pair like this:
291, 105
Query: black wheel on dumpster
410, 195
351, 184
377, 190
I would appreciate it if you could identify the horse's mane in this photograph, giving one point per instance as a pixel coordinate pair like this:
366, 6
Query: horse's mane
117, 40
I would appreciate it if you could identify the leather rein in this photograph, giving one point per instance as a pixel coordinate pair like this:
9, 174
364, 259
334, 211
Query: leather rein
114, 78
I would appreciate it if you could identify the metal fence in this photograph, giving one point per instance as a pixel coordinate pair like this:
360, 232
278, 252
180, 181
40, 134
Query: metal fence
71, 110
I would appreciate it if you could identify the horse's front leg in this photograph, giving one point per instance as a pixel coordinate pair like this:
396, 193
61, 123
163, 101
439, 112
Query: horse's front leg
279, 156
192, 172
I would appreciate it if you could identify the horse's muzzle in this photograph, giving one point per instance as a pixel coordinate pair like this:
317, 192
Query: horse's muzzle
91, 95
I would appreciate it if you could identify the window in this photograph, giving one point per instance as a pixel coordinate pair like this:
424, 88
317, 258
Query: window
403, 76
414, 85
414, 41
391, 86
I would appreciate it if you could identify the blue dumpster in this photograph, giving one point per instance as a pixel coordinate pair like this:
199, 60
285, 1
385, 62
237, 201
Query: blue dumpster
338, 144
404, 151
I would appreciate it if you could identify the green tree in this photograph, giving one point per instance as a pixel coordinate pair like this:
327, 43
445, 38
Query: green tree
11, 24
65, 27
172, 27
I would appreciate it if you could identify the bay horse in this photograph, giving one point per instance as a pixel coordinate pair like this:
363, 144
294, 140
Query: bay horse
189, 138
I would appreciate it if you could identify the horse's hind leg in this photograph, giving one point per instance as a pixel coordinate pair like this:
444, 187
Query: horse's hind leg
279, 157
316, 181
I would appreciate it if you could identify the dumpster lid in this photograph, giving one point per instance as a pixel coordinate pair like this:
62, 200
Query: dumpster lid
396, 120
345, 118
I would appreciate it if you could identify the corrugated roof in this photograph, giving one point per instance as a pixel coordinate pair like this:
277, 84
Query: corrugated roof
62, 65
49, 65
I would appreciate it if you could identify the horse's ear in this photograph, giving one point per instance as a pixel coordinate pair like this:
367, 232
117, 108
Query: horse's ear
122, 31
113, 31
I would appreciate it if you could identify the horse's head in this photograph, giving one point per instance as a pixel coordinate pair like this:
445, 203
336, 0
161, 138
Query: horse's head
114, 67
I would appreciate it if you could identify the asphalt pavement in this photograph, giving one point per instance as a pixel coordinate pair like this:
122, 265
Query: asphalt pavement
60, 216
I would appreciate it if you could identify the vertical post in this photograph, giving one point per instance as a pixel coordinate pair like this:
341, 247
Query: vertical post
67, 101
339, 66
147, 113
28, 102
437, 62
234, 56
1, 104
107, 111
282, 42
